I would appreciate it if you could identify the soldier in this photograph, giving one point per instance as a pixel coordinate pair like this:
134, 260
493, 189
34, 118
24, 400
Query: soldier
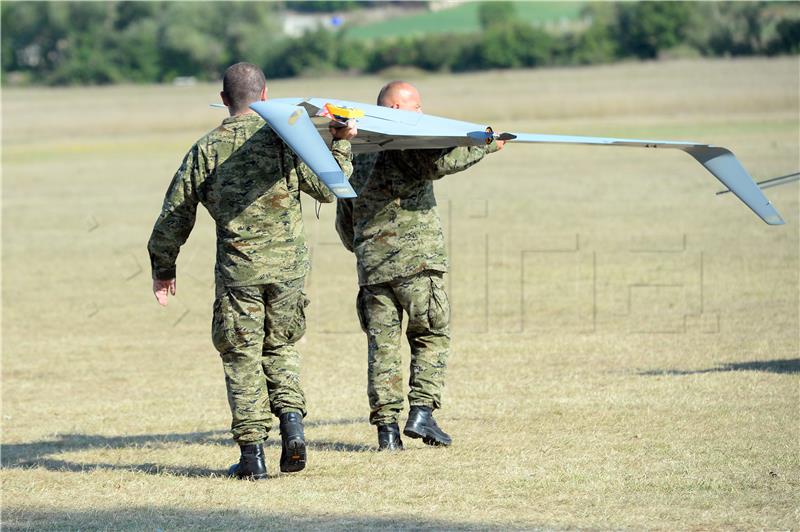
395, 232
250, 181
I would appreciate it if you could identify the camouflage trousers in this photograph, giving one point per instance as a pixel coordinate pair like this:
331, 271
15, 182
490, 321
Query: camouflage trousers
380, 311
255, 329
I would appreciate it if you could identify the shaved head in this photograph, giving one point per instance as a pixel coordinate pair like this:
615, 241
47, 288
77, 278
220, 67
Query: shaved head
242, 84
400, 95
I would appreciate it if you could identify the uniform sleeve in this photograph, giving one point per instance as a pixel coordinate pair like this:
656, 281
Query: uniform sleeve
177, 217
435, 164
312, 185
344, 222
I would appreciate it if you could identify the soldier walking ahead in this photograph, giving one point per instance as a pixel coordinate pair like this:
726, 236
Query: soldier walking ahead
395, 232
250, 181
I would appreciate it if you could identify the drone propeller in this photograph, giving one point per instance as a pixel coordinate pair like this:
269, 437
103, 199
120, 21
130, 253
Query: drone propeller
774, 182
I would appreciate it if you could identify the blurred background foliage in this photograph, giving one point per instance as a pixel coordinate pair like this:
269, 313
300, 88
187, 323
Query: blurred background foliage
69, 43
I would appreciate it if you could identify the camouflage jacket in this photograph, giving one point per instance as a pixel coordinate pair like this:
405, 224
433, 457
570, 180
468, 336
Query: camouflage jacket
249, 180
392, 226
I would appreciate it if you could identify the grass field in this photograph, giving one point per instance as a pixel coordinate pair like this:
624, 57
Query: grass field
464, 19
625, 342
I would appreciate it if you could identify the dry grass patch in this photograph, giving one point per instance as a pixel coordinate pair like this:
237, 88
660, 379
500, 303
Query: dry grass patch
625, 343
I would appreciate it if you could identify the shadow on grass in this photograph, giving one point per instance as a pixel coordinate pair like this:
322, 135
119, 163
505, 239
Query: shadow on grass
150, 468
149, 518
788, 365
323, 445
44, 453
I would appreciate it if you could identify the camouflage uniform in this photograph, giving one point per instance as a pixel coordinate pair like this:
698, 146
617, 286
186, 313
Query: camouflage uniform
250, 183
396, 234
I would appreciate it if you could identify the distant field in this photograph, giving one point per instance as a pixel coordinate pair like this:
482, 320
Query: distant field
464, 19
625, 342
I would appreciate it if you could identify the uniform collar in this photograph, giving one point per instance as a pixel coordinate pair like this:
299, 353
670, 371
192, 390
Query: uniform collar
241, 118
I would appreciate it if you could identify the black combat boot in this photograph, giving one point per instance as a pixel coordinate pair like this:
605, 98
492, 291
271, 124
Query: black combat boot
389, 438
293, 453
251, 465
421, 424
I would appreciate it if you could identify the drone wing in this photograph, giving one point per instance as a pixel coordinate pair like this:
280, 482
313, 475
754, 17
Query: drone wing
382, 128
294, 126
721, 162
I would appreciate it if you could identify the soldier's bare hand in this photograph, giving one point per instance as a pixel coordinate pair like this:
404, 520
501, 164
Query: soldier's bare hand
500, 144
345, 132
162, 289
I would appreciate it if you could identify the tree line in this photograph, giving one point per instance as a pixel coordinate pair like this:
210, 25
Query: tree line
66, 43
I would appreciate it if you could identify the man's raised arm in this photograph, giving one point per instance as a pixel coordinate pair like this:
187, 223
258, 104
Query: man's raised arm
435, 164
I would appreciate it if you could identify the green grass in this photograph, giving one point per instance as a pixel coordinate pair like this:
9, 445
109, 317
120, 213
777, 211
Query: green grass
625, 342
464, 19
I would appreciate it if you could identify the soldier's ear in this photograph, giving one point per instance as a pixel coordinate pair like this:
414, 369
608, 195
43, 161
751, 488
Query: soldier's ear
264, 94
225, 99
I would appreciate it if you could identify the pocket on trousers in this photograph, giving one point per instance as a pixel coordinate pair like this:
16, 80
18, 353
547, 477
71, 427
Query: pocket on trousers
362, 320
438, 305
223, 333
297, 326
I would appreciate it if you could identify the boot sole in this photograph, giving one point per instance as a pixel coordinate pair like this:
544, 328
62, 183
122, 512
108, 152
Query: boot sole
426, 439
296, 461
232, 473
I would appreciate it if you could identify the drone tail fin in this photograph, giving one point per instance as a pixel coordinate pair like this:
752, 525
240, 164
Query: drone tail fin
724, 165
